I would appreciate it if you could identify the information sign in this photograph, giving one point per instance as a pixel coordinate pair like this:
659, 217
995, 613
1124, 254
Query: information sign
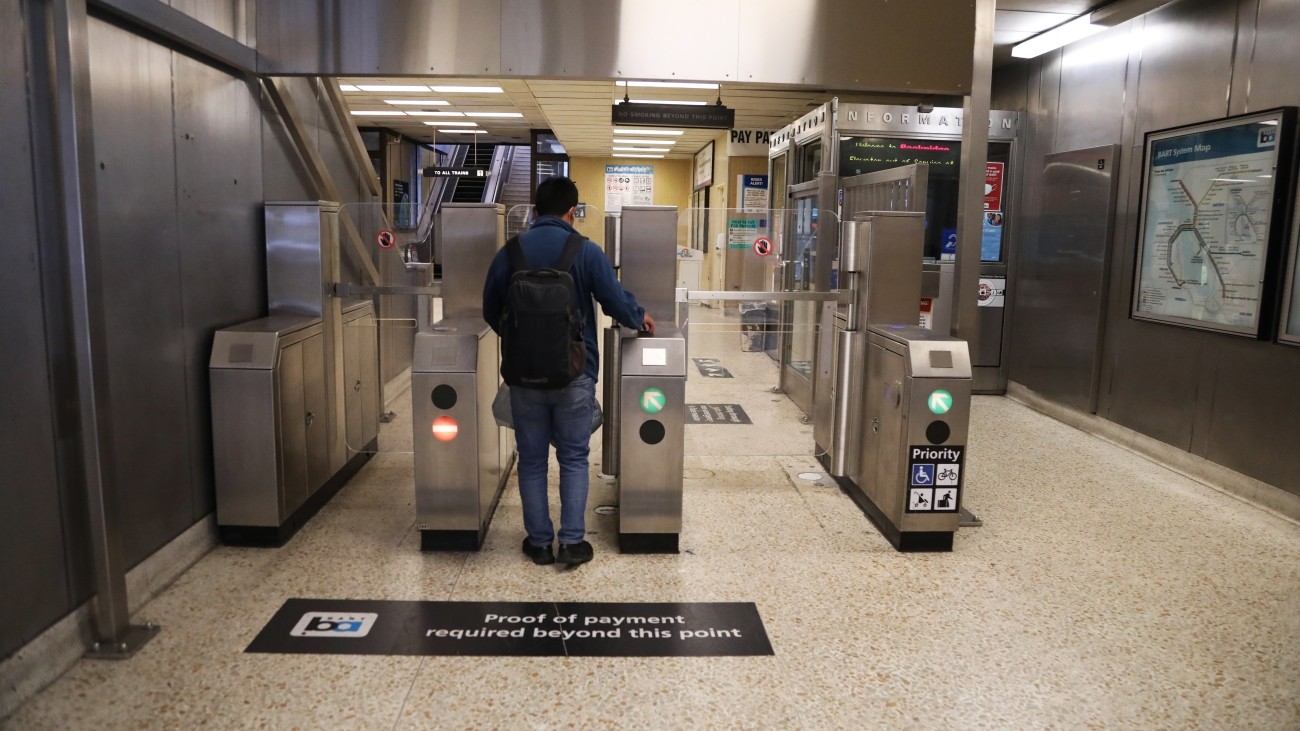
1209, 204
628, 185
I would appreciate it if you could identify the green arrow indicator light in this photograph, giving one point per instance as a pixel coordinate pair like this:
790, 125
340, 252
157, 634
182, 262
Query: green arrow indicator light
653, 400
940, 401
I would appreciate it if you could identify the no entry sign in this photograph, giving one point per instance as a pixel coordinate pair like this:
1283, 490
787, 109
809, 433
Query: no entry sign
763, 246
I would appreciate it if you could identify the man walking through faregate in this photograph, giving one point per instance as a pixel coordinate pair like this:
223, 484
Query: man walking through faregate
559, 416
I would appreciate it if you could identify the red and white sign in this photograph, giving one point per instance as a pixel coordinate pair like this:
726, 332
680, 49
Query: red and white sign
993, 185
927, 306
385, 239
763, 246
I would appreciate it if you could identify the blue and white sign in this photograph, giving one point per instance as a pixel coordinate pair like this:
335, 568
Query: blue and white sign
753, 193
948, 246
922, 474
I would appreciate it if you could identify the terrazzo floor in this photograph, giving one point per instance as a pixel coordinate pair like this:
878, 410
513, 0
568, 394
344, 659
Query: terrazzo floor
1103, 591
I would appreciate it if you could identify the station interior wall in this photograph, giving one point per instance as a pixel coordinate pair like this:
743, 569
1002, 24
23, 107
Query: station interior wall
1230, 400
185, 154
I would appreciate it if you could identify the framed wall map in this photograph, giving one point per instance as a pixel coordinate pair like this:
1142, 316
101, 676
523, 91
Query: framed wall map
1214, 201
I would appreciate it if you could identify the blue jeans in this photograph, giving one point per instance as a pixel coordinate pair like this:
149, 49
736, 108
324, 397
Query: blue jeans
563, 416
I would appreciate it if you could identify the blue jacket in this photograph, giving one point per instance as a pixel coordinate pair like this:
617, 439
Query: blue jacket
592, 276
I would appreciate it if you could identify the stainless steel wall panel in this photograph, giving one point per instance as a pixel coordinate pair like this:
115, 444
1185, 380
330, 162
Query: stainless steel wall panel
393, 37
1186, 64
1155, 380
916, 46
1253, 424
131, 82
652, 39
32, 566
1091, 106
1274, 56
1061, 278
443, 37
219, 15
218, 201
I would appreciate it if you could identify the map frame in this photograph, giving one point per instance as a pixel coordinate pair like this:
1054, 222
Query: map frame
1189, 140
1288, 331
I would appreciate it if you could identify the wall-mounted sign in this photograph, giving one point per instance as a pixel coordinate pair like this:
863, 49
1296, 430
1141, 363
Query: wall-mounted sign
1207, 236
703, 176
993, 185
628, 185
708, 116
748, 143
753, 193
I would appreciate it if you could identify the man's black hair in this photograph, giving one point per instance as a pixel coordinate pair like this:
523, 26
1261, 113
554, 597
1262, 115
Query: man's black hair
555, 196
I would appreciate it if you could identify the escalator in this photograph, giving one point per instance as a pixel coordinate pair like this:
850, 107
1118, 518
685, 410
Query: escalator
470, 189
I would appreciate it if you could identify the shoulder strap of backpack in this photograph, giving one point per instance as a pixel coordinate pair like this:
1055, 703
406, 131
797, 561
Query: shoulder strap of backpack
515, 254
572, 247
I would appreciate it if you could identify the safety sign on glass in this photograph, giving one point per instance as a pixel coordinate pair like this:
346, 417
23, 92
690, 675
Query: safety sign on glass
934, 478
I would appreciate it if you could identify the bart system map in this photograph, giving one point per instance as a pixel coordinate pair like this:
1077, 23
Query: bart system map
1209, 197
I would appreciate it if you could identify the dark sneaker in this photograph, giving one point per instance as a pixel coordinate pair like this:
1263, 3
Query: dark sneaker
540, 556
575, 554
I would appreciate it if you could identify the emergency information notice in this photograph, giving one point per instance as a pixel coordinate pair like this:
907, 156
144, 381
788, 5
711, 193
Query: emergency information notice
361, 627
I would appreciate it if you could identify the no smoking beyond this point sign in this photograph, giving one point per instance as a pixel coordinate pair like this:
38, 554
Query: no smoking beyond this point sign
763, 246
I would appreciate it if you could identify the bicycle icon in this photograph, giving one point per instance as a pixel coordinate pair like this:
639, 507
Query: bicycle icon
948, 474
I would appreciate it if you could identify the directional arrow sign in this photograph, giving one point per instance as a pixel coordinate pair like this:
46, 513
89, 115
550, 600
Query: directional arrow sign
940, 401
653, 400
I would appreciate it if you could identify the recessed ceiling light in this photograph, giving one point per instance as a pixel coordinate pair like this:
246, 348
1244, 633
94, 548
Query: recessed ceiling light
393, 87
626, 131
417, 102
452, 124
378, 113
468, 89
644, 142
625, 154
668, 84
464, 131
666, 101
348, 87
642, 149
501, 115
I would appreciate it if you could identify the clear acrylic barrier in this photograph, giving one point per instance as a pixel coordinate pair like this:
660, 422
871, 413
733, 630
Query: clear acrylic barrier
744, 251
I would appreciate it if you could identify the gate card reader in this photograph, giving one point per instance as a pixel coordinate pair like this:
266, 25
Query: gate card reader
911, 470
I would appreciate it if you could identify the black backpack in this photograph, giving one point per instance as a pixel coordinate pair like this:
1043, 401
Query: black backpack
541, 328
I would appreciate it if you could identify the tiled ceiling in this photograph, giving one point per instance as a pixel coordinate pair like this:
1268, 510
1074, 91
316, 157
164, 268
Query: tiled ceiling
578, 112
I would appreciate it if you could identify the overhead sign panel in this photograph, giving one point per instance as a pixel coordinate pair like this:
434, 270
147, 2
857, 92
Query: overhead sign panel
709, 116
463, 171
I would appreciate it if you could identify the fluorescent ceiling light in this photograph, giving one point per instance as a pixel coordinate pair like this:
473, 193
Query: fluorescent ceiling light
625, 154
667, 84
452, 124
393, 87
436, 114
464, 131
468, 89
500, 115
644, 142
1061, 35
417, 102
348, 87
666, 101
379, 113
642, 149
626, 131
